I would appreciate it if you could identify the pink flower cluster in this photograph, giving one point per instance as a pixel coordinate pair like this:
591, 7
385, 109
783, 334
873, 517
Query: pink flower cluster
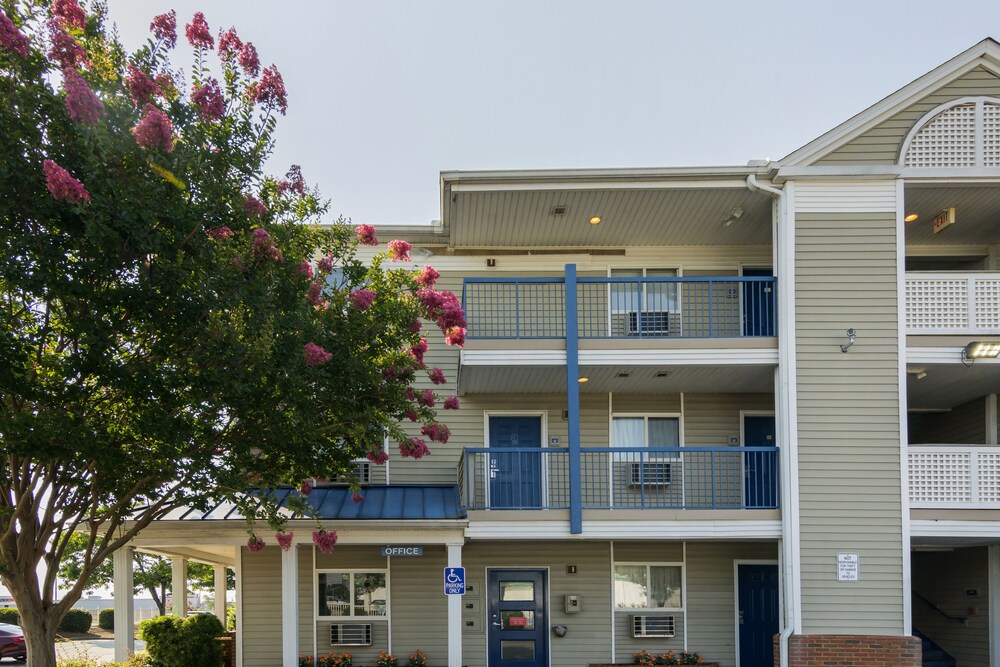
154, 130
427, 278
255, 544
378, 458
284, 540
270, 90
362, 299
220, 233
248, 60
198, 32
316, 355
446, 310
306, 487
324, 540
325, 265
414, 448
165, 82
264, 246
65, 49
314, 294
437, 376
293, 181
68, 12
208, 98
306, 269
254, 206
11, 38
62, 186
436, 432
418, 350
229, 44
366, 235
82, 104
141, 88
357, 497
411, 415
451, 403
399, 251
426, 398
164, 27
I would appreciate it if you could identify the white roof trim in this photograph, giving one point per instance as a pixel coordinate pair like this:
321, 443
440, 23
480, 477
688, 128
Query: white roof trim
986, 53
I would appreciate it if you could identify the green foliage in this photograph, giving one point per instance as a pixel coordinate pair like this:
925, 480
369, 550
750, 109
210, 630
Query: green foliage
106, 619
417, 659
328, 660
230, 617
190, 642
76, 620
82, 660
9, 615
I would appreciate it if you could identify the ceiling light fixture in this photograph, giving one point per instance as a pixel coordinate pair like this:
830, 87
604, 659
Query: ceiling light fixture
734, 215
583, 379
918, 373
911, 217
595, 220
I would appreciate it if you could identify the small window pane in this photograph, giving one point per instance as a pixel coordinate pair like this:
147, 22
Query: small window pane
664, 432
517, 590
519, 649
665, 586
630, 587
369, 594
518, 620
334, 594
628, 432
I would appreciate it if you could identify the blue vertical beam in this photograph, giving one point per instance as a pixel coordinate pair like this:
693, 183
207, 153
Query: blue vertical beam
573, 403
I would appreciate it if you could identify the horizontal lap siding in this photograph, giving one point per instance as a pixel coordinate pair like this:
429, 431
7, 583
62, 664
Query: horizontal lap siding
962, 425
848, 421
419, 606
881, 144
261, 610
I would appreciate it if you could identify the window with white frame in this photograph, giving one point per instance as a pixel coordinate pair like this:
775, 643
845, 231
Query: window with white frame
350, 593
647, 297
645, 431
648, 586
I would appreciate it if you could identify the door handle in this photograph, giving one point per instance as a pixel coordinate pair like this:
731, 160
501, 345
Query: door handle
496, 625
741, 617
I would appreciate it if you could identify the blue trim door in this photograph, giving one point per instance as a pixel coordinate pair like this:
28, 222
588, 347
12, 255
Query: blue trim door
758, 304
518, 626
516, 475
757, 602
760, 469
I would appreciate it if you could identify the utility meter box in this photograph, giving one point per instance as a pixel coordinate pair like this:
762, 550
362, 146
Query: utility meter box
573, 604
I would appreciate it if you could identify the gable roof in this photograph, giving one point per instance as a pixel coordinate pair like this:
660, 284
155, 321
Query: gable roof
984, 54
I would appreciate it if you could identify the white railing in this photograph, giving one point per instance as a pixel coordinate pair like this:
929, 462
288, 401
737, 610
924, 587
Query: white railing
953, 303
957, 477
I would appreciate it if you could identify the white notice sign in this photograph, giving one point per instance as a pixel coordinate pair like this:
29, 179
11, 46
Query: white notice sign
848, 567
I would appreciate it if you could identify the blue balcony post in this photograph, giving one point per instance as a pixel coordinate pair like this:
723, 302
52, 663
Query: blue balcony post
573, 403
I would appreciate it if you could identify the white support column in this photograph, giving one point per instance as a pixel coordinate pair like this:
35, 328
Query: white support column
179, 572
290, 607
455, 612
124, 607
994, 602
238, 574
220, 593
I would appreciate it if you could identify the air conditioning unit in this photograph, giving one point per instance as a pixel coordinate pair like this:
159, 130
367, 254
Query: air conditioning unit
650, 474
652, 626
363, 472
653, 323
354, 634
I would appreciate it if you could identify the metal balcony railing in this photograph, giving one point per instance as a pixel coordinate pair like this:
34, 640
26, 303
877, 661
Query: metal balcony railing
953, 303
954, 477
621, 478
713, 307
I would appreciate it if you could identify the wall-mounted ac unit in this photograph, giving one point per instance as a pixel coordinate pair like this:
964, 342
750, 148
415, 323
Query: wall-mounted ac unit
651, 323
351, 634
652, 626
650, 474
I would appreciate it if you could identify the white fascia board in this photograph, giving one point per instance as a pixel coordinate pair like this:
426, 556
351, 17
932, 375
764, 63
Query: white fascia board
853, 172
986, 53
513, 357
554, 176
545, 186
941, 355
937, 528
692, 357
626, 530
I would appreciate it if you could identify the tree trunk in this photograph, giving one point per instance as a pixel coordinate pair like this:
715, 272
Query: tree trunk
39, 628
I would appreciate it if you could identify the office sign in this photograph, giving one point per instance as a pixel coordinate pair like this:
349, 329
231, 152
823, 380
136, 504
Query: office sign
390, 552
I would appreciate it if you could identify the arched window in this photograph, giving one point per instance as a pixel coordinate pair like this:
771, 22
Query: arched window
960, 133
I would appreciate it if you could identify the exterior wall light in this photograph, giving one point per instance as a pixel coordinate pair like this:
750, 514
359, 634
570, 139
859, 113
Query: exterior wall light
981, 349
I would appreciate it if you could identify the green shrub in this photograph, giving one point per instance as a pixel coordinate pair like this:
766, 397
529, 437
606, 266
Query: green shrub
10, 616
106, 619
189, 642
231, 617
76, 620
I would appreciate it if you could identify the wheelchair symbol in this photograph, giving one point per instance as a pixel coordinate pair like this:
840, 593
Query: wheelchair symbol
453, 578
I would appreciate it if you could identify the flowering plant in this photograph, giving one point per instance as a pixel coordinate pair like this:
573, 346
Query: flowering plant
646, 658
418, 659
335, 660
385, 659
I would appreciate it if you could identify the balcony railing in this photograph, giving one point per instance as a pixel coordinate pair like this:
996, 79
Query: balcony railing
952, 303
638, 308
956, 477
622, 478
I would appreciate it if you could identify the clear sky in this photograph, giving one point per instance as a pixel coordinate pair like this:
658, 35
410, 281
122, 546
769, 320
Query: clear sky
385, 95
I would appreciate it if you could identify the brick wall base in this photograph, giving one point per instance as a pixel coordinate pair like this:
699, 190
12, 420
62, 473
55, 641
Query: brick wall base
849, 651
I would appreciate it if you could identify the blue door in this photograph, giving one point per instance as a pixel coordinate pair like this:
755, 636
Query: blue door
760, 469
515, 474
518, 620
757, 602
758, 304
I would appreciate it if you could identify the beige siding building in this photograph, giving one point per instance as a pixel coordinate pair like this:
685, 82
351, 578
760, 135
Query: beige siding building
745, 412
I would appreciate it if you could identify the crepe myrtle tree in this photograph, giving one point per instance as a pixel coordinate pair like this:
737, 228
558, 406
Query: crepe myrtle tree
176, 325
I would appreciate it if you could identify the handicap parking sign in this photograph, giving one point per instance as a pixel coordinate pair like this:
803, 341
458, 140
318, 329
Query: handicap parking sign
454, 581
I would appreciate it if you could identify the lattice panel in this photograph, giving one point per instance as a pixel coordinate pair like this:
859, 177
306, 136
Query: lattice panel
991, 135
940, 477
987, 303
947, 140
989, 477
937, 304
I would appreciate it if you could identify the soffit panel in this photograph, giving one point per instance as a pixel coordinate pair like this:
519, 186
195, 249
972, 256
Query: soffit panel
946, 386
977, 214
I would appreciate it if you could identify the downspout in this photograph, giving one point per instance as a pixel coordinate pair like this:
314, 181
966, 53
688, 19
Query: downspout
784, 268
